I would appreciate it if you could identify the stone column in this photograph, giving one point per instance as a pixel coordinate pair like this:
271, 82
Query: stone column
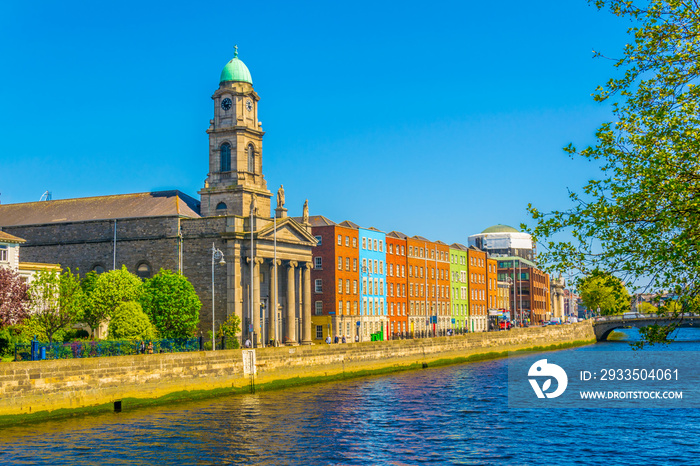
306, 320
289, 332
255, 283
274, 299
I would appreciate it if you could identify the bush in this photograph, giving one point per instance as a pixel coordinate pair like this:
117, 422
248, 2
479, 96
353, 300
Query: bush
130, 323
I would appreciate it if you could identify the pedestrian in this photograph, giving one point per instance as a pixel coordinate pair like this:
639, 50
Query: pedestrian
248, 344
344, 341
336, 339
142, 348
357, 338
328, 340
150, 347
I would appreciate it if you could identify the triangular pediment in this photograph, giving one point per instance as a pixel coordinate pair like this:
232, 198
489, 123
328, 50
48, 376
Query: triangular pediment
288, 231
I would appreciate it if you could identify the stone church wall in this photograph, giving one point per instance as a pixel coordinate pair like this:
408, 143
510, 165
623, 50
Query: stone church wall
83, 245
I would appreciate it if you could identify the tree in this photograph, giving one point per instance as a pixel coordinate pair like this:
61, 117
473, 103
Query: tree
129, 322
230, 328
641, 219
57, 300
604, 292
109, 291
14, 298
171, 303
646, 308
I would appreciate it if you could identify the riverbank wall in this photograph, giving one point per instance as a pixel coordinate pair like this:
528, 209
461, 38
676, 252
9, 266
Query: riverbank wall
42, 389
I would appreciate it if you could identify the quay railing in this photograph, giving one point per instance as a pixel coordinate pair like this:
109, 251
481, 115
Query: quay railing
37, 350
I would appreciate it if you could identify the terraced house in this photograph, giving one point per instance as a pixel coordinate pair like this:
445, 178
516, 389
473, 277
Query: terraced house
372, 254
460, 286
335, 279
397, 300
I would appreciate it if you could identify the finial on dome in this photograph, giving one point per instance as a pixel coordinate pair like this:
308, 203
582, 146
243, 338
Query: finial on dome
235, 52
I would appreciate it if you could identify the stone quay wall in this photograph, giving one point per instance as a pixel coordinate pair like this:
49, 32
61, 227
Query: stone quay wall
44, 387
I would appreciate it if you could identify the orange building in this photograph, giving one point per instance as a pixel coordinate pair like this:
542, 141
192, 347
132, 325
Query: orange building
442, 286
478, 289
397, 296
417, 283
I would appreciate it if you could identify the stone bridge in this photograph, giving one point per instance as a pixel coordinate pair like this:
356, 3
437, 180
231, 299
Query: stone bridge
604, 325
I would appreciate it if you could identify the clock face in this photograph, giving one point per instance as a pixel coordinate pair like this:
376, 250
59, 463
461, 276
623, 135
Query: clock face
226, 104
249, 105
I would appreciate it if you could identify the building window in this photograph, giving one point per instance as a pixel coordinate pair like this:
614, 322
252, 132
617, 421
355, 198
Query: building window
340, 240
364, 243
354, 242
319, 332
221, 206
381, 246
318, 285
347, 263
347, 241
340, 263
354, 287
347, 286
354, 265
347, 309
375, 244
318, 261
340, 285
340, 308
251, 159
318, 238
318, 310
3, 253
225, 157
143, 270
98, 268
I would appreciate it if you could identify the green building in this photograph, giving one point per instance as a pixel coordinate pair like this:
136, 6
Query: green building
460, 286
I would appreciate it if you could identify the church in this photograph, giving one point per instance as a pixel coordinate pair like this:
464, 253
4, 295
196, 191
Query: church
241, 257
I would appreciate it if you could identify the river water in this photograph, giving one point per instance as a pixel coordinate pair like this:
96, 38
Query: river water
450, 415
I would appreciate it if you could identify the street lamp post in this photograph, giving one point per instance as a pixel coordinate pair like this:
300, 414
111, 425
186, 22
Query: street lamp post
216, 254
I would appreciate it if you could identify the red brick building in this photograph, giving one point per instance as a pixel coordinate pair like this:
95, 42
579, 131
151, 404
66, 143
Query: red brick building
397, 296
334, 279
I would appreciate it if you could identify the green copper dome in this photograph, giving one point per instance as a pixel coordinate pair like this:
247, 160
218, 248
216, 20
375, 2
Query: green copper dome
500, 229
235, 70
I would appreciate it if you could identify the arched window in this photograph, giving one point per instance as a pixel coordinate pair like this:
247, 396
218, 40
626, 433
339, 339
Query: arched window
143, 270
225, 157
98, 268
251, 159
221, 206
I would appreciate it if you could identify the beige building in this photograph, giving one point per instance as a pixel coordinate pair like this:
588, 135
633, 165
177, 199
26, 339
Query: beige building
9, 257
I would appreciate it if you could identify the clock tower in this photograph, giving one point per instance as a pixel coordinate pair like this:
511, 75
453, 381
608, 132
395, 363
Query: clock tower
235, 178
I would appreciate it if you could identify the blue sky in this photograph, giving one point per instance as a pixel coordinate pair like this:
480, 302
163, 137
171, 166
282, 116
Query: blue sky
436, 119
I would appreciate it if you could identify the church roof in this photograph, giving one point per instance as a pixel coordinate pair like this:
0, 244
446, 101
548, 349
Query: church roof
235, 70
317, 220
8, 238
154, 204
500, 229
